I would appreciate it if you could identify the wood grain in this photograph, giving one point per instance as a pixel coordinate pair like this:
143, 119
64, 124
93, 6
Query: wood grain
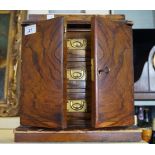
113, 135
81, 19
113, 100
42, 96
87, 18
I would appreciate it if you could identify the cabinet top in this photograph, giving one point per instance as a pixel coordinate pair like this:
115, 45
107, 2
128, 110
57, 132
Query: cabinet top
75, 18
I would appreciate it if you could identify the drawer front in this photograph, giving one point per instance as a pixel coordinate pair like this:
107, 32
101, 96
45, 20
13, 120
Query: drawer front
77, 59
85, 64
76, 84
79, 53
77, 90
78, 96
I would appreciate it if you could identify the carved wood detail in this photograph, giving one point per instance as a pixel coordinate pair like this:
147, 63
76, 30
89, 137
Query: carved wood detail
10, 107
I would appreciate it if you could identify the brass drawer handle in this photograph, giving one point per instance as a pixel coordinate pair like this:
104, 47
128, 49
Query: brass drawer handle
76, 44
76, 106
76, 74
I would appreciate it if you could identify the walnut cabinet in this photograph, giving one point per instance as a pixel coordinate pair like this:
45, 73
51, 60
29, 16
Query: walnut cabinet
77, 72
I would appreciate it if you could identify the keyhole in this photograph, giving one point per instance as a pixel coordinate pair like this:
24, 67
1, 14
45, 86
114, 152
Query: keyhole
106, 70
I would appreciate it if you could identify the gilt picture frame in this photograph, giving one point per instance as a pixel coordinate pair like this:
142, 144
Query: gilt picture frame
10, 51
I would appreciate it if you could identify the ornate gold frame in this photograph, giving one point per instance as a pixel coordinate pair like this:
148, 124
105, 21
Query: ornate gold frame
10, 106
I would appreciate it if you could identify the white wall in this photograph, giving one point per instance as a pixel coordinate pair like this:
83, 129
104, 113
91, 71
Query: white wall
141, 18
38, 11
97, 11
68, 11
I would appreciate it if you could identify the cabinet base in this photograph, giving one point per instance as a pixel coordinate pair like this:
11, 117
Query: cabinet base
25, 134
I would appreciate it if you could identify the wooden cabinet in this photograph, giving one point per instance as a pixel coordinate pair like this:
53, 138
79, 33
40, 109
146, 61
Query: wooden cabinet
77, 72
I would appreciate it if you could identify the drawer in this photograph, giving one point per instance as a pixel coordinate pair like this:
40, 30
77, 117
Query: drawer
78, 120
74, 84
78, 53
78, 71
80, 40
85, 64
77, 59
77, 90
75, 96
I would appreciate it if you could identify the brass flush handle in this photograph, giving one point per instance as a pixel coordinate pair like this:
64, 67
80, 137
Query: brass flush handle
106, 70
77, 74
76, 44
76, 106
